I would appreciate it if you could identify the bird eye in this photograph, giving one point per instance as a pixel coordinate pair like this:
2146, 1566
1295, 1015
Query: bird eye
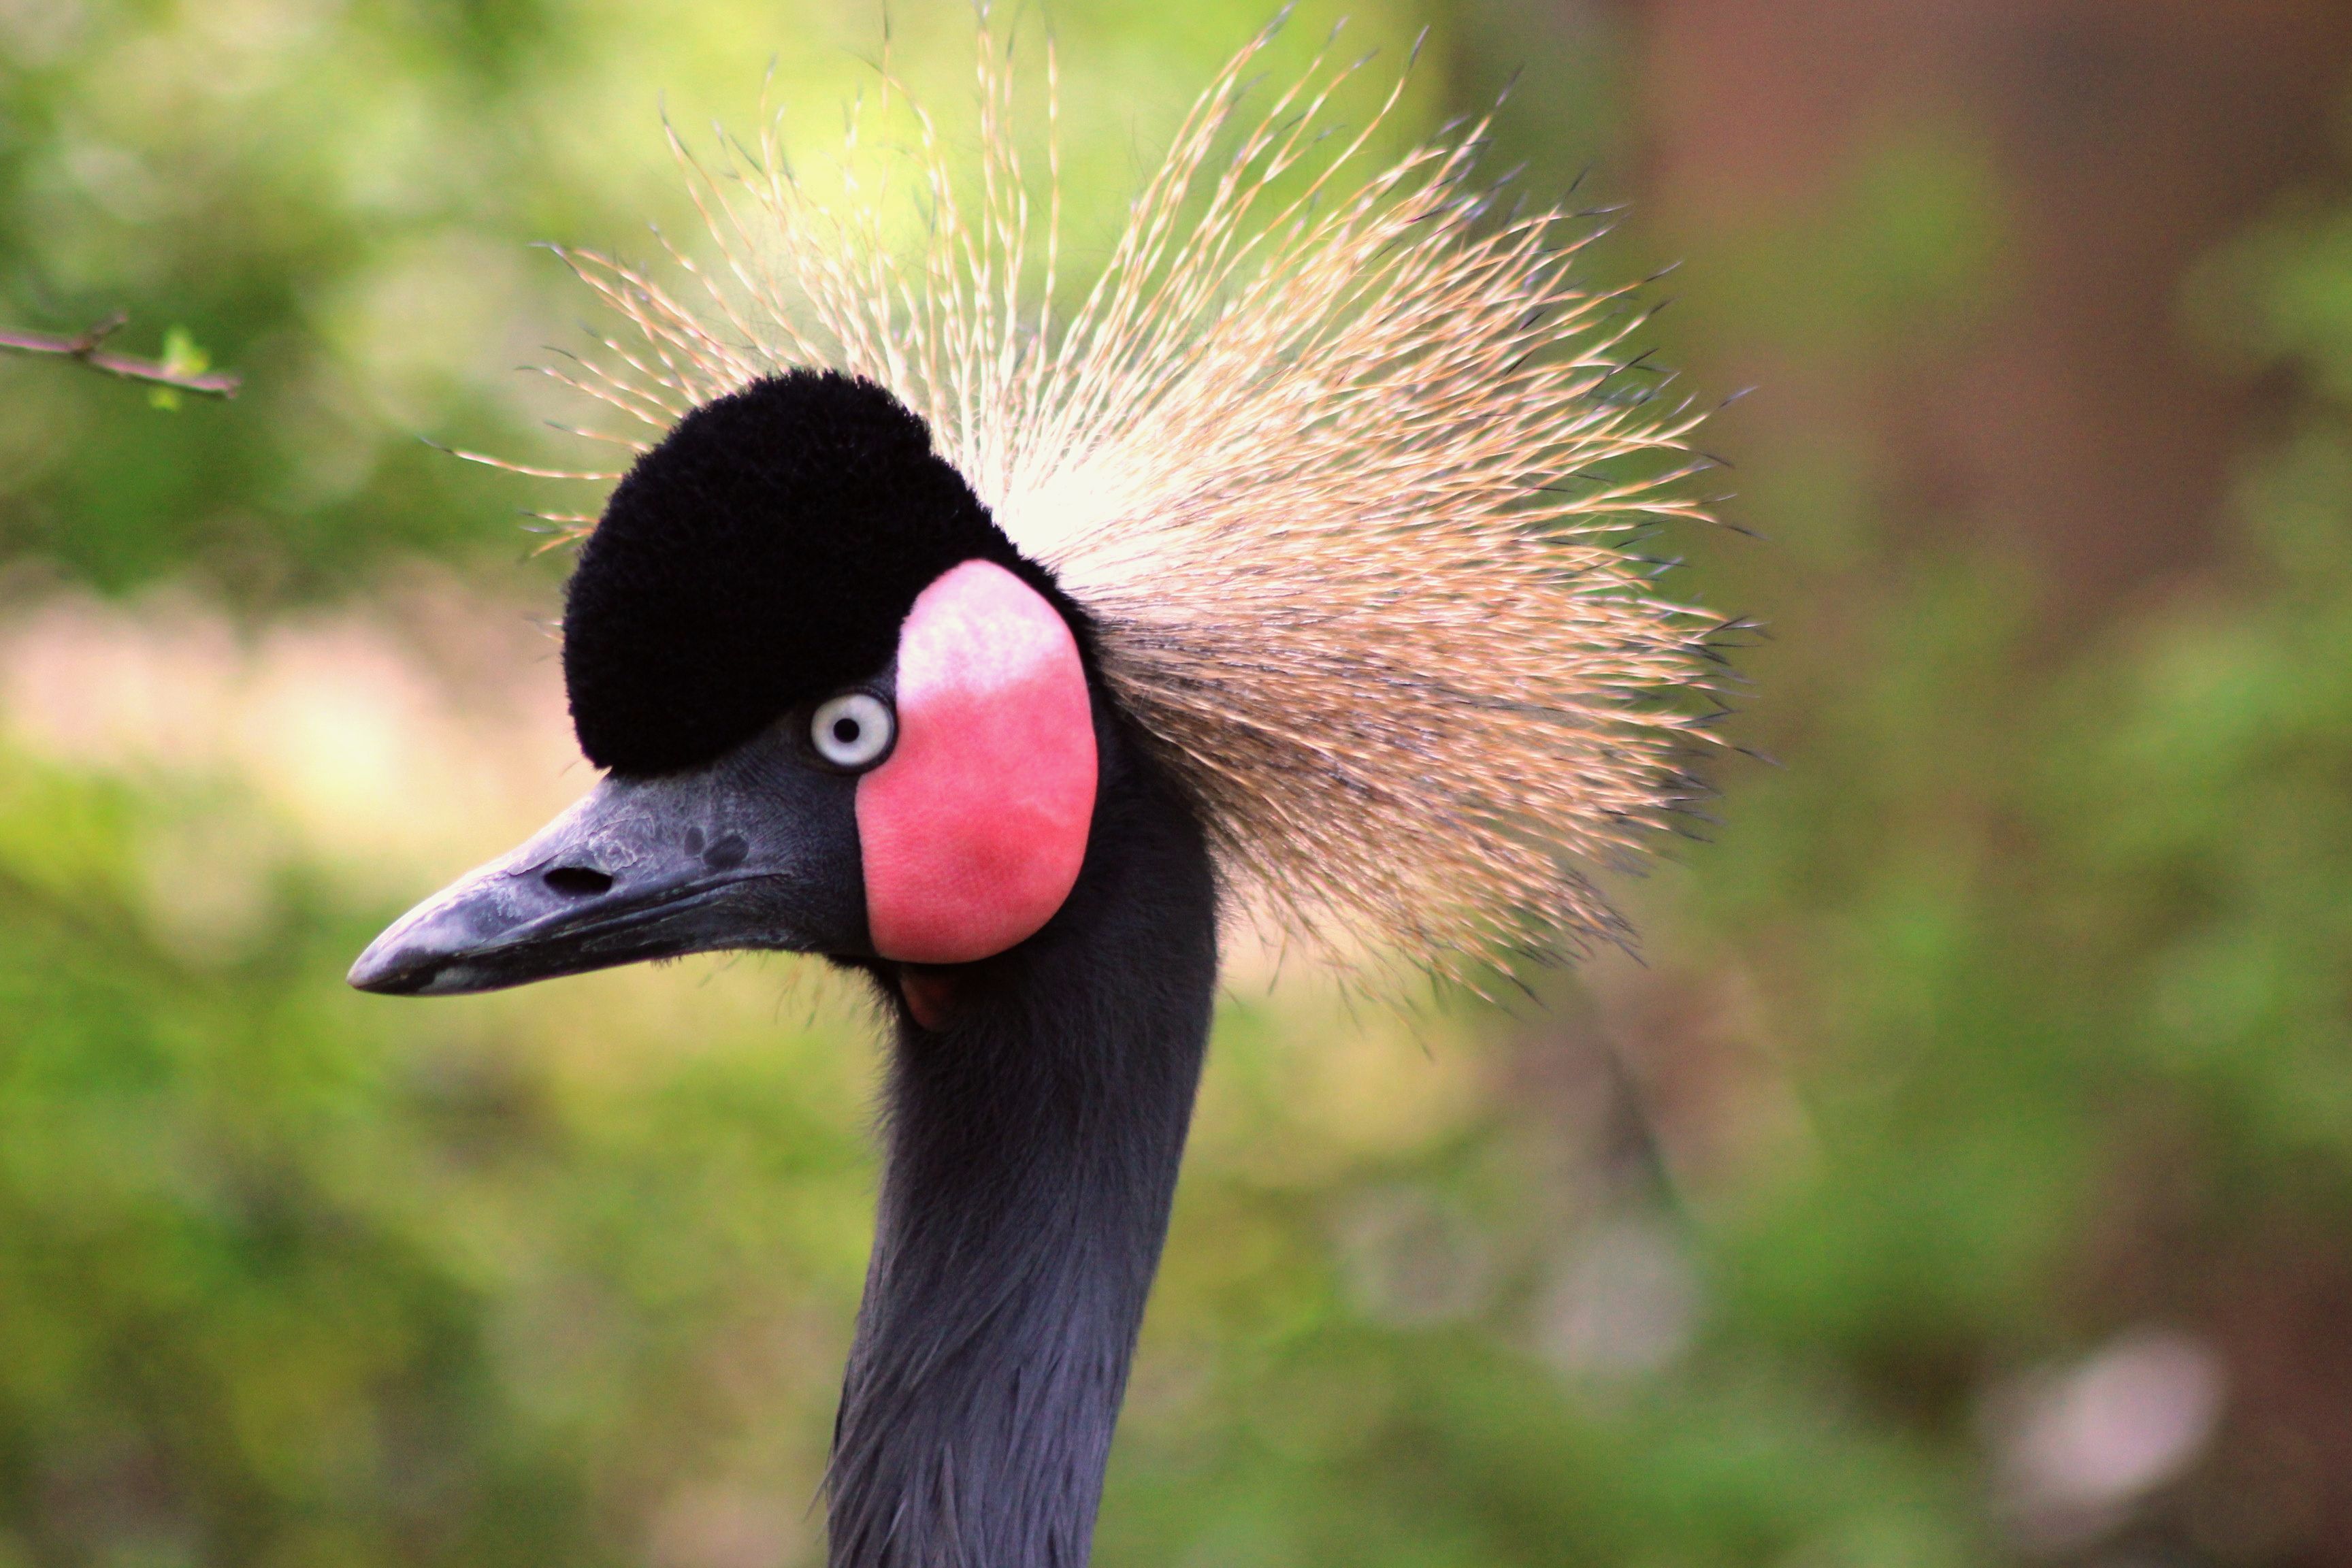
853, 729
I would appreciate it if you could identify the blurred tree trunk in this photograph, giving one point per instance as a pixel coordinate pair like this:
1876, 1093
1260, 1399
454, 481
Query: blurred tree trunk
2124, 138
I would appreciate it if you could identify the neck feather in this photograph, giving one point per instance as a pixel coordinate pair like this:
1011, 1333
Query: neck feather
1033, 1148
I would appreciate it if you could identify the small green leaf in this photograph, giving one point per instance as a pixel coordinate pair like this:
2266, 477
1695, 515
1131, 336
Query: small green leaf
181, 355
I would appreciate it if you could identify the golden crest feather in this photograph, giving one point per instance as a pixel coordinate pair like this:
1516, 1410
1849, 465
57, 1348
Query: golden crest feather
1340, 469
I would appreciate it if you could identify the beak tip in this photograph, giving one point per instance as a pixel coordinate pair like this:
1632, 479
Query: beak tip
430, 950
387, 973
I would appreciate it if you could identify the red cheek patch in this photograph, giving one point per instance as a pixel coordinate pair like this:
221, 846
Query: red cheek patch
973, 831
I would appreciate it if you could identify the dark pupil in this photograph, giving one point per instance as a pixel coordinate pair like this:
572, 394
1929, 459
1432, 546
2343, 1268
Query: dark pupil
844, 731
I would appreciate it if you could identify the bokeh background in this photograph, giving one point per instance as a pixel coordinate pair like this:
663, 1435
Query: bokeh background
1964, 1175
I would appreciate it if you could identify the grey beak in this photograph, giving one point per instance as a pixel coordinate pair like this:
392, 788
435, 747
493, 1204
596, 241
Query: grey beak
757, 850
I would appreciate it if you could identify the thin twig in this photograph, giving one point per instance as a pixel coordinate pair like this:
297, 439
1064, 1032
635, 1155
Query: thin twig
88, 347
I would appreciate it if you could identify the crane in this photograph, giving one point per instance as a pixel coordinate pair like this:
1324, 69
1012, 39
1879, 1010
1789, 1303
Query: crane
1012, 658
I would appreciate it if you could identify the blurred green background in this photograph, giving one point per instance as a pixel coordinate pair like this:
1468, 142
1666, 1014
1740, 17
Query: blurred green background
1964, 1177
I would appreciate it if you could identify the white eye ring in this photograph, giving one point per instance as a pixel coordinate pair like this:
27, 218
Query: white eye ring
853, 729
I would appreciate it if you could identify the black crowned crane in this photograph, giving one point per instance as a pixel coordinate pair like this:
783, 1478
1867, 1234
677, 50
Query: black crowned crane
1007, 658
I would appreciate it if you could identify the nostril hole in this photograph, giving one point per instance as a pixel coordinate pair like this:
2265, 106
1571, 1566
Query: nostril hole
578, 881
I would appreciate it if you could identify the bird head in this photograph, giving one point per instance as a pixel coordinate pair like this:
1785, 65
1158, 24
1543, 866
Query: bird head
840, 713
1334, 507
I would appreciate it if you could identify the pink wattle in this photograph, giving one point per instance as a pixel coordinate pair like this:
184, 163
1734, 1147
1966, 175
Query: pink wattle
973, 831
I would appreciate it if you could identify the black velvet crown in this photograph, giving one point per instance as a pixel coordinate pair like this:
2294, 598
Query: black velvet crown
761, 556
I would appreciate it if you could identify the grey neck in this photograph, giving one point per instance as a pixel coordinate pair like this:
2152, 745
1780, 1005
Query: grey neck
1033, 1146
